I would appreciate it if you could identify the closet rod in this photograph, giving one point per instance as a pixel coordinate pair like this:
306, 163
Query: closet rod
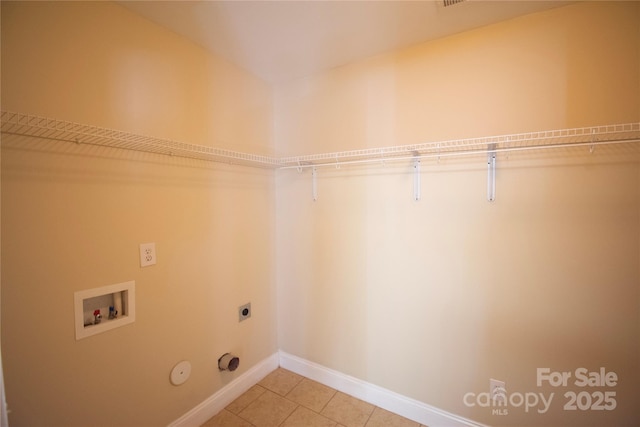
463, 153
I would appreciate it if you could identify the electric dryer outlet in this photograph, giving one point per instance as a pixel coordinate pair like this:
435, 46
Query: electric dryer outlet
244, 312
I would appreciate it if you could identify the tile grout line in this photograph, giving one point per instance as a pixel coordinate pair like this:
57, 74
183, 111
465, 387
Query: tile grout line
295, 403
289, 416
325, 405
369, 417
298, 405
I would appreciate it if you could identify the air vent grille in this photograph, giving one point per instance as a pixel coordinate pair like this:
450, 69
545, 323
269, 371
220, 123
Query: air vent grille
447, 3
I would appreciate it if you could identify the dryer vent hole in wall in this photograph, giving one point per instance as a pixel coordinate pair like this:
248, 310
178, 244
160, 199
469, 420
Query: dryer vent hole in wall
228, 362
244, 312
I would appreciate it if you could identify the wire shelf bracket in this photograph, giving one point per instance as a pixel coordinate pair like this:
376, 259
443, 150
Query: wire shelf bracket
491, 172
416, 179
314, 184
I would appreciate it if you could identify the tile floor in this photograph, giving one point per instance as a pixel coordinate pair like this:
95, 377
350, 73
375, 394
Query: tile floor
285, 399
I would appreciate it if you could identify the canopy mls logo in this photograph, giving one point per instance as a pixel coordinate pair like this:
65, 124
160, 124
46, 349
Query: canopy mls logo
500, 400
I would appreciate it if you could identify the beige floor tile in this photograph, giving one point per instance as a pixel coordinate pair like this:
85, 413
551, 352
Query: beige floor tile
382, 418
311, 394
245, 399
280, 381
348, 410
226, 419
276, 400
268, 410
303, 417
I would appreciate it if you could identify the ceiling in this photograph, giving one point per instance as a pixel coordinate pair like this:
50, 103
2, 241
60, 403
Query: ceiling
284, 40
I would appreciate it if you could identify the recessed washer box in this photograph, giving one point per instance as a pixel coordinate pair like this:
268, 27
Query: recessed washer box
121, 297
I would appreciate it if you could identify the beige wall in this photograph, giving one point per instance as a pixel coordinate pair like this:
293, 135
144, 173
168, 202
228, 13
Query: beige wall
73, 217
432, 298
428, 299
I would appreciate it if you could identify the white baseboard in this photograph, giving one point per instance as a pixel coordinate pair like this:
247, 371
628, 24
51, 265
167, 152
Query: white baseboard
227, 394
386, 399
378, 396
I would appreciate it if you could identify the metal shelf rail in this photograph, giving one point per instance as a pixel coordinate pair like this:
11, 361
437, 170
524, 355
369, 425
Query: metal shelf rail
48, 128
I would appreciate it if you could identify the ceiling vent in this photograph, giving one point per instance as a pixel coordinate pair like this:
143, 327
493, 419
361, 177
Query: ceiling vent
447, 3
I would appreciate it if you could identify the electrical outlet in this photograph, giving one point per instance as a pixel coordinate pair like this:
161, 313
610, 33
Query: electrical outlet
244, 312
497, 390
147, 254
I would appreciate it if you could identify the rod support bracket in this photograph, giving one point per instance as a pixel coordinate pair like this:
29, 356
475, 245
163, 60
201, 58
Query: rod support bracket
491, 172
416, 177
314, 183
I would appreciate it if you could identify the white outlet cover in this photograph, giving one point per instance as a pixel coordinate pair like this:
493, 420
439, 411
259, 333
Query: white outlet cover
497, 390
180, 373
147, 254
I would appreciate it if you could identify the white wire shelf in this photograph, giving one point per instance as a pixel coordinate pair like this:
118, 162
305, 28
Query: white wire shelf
586, 136
48, 128
42, 127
